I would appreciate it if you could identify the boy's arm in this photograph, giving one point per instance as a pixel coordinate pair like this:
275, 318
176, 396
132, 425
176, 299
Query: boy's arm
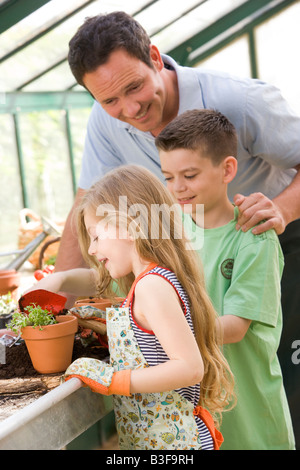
254, 291
231, 328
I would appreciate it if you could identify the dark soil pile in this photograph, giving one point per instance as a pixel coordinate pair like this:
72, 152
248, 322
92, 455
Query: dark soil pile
18, 362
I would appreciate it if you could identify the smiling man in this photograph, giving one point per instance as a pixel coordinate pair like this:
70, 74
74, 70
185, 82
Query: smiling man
131, 91
138, 91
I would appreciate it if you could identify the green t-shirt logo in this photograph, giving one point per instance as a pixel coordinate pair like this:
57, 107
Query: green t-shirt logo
226, 268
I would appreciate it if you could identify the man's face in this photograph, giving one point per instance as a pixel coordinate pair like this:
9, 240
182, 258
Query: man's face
129, 90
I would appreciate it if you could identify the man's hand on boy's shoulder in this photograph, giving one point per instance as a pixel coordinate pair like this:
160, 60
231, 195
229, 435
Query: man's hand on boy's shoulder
258, 208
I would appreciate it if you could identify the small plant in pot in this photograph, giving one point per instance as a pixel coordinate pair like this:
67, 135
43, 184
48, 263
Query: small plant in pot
7, 307
34, 316
48, 335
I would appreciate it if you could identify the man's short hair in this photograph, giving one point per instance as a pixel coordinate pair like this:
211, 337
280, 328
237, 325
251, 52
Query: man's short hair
101, 35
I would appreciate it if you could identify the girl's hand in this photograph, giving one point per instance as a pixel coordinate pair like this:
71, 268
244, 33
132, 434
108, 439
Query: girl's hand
51, 283
79, 282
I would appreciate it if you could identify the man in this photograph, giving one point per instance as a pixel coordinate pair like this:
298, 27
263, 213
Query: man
138, 91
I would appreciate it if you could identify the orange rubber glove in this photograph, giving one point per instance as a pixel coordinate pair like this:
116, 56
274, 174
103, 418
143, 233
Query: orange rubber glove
100, 377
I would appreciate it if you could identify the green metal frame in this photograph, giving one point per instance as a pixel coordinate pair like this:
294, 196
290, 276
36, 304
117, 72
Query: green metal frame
20, 102
20, 159
231, 26
235, 24
44, 29
25, 102
241, 21
13, 11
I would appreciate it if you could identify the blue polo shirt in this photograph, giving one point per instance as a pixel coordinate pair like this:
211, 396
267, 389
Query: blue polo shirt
268, 132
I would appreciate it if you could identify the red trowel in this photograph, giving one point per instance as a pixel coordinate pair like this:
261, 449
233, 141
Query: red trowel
50, 301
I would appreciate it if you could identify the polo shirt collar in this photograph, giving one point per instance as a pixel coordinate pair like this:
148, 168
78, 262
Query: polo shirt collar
190, 94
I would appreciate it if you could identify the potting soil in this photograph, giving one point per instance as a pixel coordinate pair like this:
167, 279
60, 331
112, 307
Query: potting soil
18, 362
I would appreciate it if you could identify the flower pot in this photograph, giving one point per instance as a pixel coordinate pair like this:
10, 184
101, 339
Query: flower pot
9, 282
98, 302
96, 323
51, 348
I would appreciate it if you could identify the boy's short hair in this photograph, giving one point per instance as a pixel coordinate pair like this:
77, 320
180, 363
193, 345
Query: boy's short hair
101, 35
205, 130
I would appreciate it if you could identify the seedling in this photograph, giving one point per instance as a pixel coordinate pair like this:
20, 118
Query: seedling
34, 316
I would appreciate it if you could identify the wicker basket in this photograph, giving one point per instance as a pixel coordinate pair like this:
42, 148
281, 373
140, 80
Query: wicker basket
29, 230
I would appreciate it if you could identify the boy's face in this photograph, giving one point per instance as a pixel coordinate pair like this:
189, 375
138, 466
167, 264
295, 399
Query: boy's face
193, 179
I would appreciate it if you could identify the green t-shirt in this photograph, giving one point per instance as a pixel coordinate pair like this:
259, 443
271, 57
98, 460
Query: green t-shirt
242, 275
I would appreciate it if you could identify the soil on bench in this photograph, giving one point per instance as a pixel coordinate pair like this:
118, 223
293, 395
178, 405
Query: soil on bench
21, 384
19, 365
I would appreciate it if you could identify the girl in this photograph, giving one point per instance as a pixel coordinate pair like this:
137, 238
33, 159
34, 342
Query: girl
162, 340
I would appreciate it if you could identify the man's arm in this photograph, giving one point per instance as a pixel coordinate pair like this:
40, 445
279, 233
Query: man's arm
277, 213
69, 253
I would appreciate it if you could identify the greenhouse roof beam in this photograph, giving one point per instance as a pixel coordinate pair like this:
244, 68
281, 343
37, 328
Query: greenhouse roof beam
25, 102
136, 13
12, 11
179, 17
151, 2
42, 72
211, 42
49, 26
44, 29
182, 52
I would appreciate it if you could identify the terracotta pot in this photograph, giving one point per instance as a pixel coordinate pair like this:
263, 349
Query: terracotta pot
98, 302
51, 348
98, 326
9, 282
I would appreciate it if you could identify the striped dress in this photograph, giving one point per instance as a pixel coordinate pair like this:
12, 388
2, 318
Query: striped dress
155, 354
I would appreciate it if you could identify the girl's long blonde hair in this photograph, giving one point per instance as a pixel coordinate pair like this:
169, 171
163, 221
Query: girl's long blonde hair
168, 248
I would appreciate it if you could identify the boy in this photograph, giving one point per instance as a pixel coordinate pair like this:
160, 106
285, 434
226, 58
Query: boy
242, 272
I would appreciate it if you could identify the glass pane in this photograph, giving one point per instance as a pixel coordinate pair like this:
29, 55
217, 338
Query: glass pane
47, 169
233, 59
53, 46
60, 78
78, 121
163, 12
52, 12
47, 165
278, 60
10, 188
33, 59
192, 23
30, 25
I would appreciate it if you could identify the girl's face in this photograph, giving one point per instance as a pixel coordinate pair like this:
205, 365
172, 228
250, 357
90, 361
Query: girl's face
109, 245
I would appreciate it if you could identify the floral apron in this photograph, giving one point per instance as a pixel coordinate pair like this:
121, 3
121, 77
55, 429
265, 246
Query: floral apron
152, 421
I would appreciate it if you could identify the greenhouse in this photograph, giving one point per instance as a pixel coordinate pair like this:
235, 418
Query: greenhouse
44, 117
